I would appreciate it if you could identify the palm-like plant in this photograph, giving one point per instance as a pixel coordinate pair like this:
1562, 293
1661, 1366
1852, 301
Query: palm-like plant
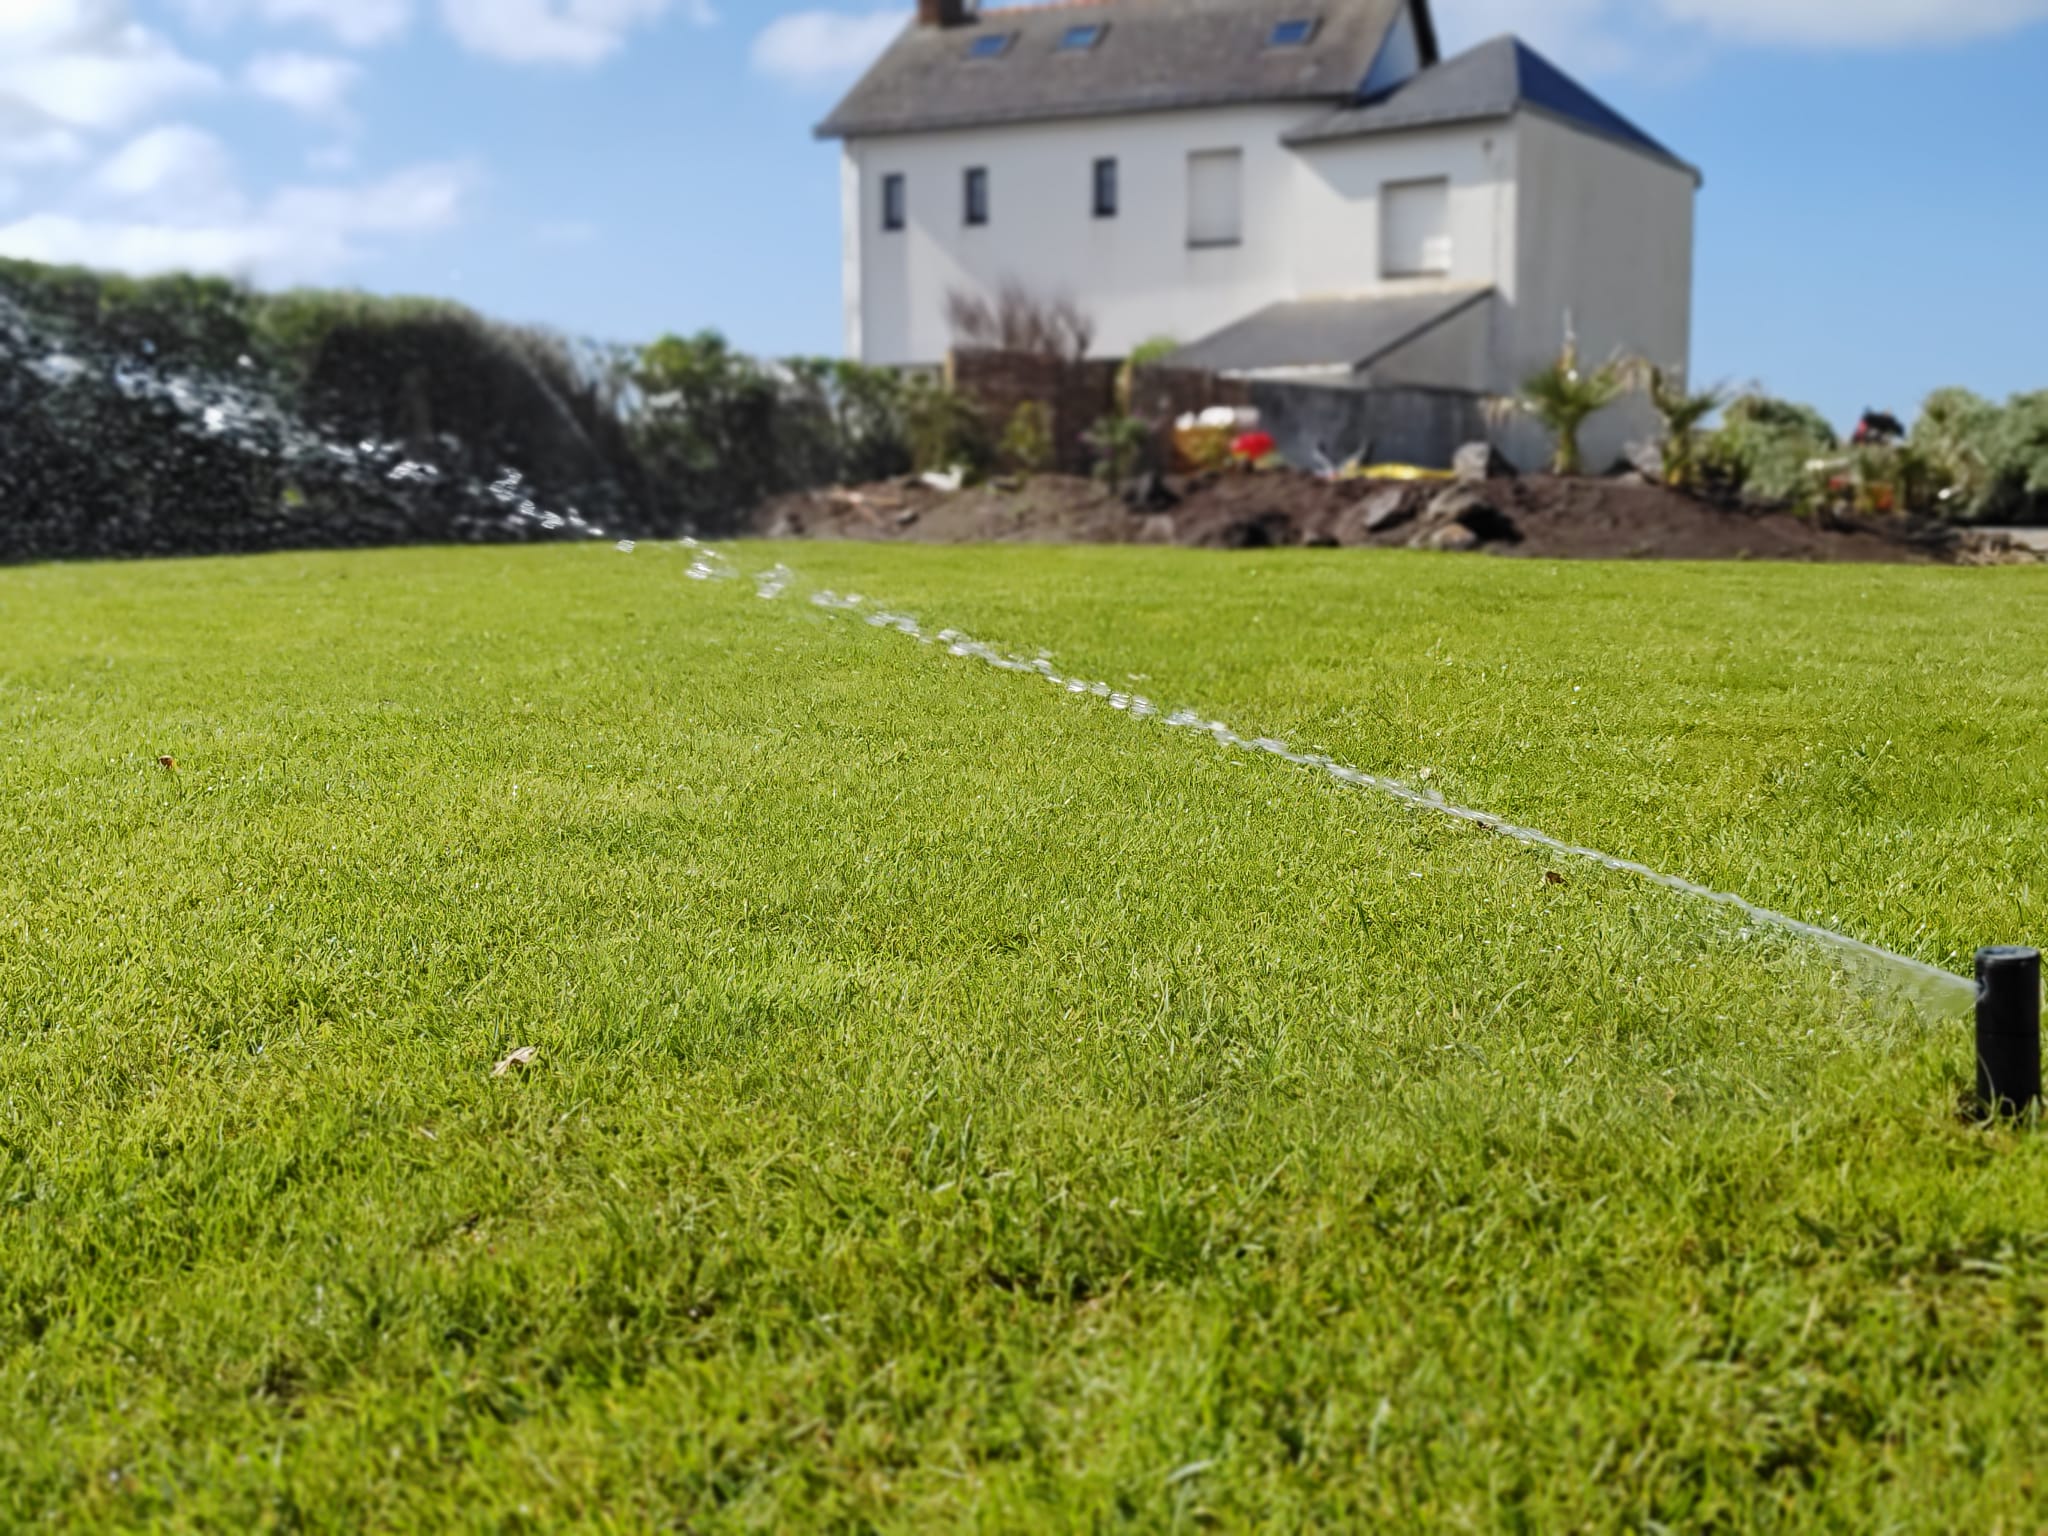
1682, 411
1564, 397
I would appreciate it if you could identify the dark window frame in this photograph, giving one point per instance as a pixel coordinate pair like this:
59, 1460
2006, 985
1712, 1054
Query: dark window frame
1083, 37
1281, 35
1106, 189
991, 46
974, 197
895, 202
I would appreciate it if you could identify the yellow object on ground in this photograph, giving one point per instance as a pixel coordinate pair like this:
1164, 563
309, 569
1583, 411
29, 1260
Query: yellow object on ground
1397, 472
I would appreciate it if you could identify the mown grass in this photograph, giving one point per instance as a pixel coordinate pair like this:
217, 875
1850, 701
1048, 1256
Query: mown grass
959, 1105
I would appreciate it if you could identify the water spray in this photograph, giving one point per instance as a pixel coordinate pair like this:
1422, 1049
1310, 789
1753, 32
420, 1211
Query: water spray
2007, 992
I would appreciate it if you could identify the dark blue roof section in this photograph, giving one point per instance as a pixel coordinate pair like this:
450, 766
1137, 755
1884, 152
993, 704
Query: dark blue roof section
1495, 79
1545, 85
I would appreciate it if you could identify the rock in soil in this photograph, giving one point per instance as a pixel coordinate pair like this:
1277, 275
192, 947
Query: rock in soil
1447, 538
1464, 506
1476, 463
1389, 508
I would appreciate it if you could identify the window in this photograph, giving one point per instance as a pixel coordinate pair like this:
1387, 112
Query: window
1415, 229
976, 210
1081, 39
893, 201
992, 45
1216, 197
1293, 34
1105, 189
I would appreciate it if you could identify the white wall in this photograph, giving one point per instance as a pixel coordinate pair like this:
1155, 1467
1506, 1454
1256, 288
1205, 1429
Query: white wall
1556, 219
1604, 234
1311, 221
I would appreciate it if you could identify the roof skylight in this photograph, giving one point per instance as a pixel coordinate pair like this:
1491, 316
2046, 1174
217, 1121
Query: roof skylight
991, 45
1293, 34
1081, 39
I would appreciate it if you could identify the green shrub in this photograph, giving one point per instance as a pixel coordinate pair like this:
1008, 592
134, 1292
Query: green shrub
1027, 445
199, 321
1122, 444
945, 430
1766, 449
1955, 435
1147, 354
2019, 461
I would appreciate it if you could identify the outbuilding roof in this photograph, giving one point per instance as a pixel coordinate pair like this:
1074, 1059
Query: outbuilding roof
1151, 56
1327, 333
1495, 79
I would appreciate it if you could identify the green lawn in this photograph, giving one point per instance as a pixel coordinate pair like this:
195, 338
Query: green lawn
959, 1104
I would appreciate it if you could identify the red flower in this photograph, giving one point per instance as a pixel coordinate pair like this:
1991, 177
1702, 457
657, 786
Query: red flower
1254, 446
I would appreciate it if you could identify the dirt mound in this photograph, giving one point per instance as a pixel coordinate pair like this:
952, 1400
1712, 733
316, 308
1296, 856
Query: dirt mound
1537, 516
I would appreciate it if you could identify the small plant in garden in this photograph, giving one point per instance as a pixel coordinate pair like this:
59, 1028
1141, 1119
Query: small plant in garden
1682, 412
1027, 445
1565, 396
946, 432
1121, 445
1147, 354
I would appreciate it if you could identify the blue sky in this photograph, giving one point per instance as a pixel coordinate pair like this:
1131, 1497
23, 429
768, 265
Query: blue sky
1873, 225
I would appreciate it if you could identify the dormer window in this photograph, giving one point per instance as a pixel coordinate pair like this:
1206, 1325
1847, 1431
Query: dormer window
991, 46
1081, 39
1298, 33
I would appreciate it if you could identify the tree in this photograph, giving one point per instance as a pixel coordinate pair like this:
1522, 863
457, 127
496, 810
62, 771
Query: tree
1564, 397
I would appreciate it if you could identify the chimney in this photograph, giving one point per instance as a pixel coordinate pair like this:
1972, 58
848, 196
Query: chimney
942, 13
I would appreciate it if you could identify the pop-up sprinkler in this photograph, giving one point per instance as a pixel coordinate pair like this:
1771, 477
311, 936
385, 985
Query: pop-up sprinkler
2008, 1031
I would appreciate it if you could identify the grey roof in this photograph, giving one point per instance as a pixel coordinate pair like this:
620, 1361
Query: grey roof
1156, 55
1495, 79
1327, 333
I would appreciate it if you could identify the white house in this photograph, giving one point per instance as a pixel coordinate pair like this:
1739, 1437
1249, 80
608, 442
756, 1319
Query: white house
1293, 189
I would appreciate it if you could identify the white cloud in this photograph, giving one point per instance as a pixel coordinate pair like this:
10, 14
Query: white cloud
167, 202
37, 144
556, 31
175, 171
354, 23
84, 65
315, 84
813, 48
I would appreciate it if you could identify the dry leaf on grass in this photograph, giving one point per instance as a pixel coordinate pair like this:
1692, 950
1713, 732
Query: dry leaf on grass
168, 764
1552, 877
523, 1057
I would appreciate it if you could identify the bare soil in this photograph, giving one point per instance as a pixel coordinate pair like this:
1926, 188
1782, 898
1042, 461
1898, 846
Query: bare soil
1538, 516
